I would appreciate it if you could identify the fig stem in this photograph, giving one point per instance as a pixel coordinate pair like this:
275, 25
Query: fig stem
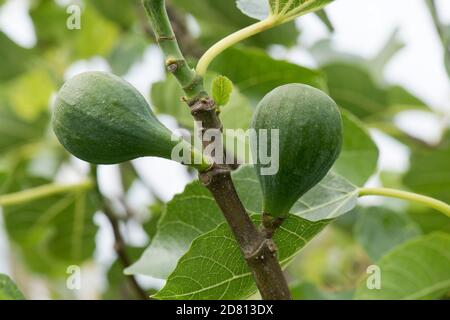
276, 18
259, 252
42, 192
409, 196
175, 61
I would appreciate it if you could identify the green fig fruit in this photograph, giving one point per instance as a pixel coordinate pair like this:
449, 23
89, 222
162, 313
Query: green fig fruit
102, 119
309, 142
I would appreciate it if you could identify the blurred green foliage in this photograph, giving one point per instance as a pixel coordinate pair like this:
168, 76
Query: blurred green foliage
51, 233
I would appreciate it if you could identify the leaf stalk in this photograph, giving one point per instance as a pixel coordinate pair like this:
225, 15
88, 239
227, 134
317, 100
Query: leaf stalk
409, 196
42, 192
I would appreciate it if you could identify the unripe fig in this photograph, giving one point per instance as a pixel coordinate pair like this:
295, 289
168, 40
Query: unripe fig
102, 119
310, 139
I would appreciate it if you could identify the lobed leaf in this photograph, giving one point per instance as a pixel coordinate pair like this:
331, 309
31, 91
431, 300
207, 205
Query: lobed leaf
214, 268
194, 212
354, 88
330, 198
217, 19
9, 290
378, 230
13, 58
359, 156
285, 9
255, 73
430, 171
15, 131
52, 232
418, 269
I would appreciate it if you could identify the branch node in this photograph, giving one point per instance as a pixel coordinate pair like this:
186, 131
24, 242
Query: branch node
197, 81
174, 64
204, 104
270, 225
215, 172
162, 38
266, 247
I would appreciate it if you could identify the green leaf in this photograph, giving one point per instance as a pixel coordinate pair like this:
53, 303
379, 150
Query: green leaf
166, 99
354, 89
16, 132
30, 93
308, 291
217, 19
221, 90
429, 173
401, 99
447, 49
261, 9
9, 290
330, 198
378, 230
121, 12
56, 230
429, 220
49, 21
13, 58
418, 269
447, 60
255, 73
126, 52
359, 156
325, 53
392, 46
296, 8
323, 16
194, 212
118, 285
97, 35
214, 268
255, 9
187, 216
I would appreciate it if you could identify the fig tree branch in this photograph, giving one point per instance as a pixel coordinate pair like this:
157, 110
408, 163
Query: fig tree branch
42, 192
119, 245
436, 20
258, 250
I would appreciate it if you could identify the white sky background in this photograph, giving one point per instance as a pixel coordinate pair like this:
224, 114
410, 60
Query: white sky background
362, 27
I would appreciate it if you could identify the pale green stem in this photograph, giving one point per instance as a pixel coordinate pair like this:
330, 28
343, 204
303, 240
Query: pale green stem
231, 40
199, 161
41, 192
409, 196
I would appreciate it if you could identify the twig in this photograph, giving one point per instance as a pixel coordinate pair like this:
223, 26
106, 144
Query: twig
259, 252
436, 21
188, 44
119, 245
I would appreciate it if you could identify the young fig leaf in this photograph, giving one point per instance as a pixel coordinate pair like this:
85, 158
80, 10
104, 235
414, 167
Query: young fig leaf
221, 90
301, 127
282, 10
